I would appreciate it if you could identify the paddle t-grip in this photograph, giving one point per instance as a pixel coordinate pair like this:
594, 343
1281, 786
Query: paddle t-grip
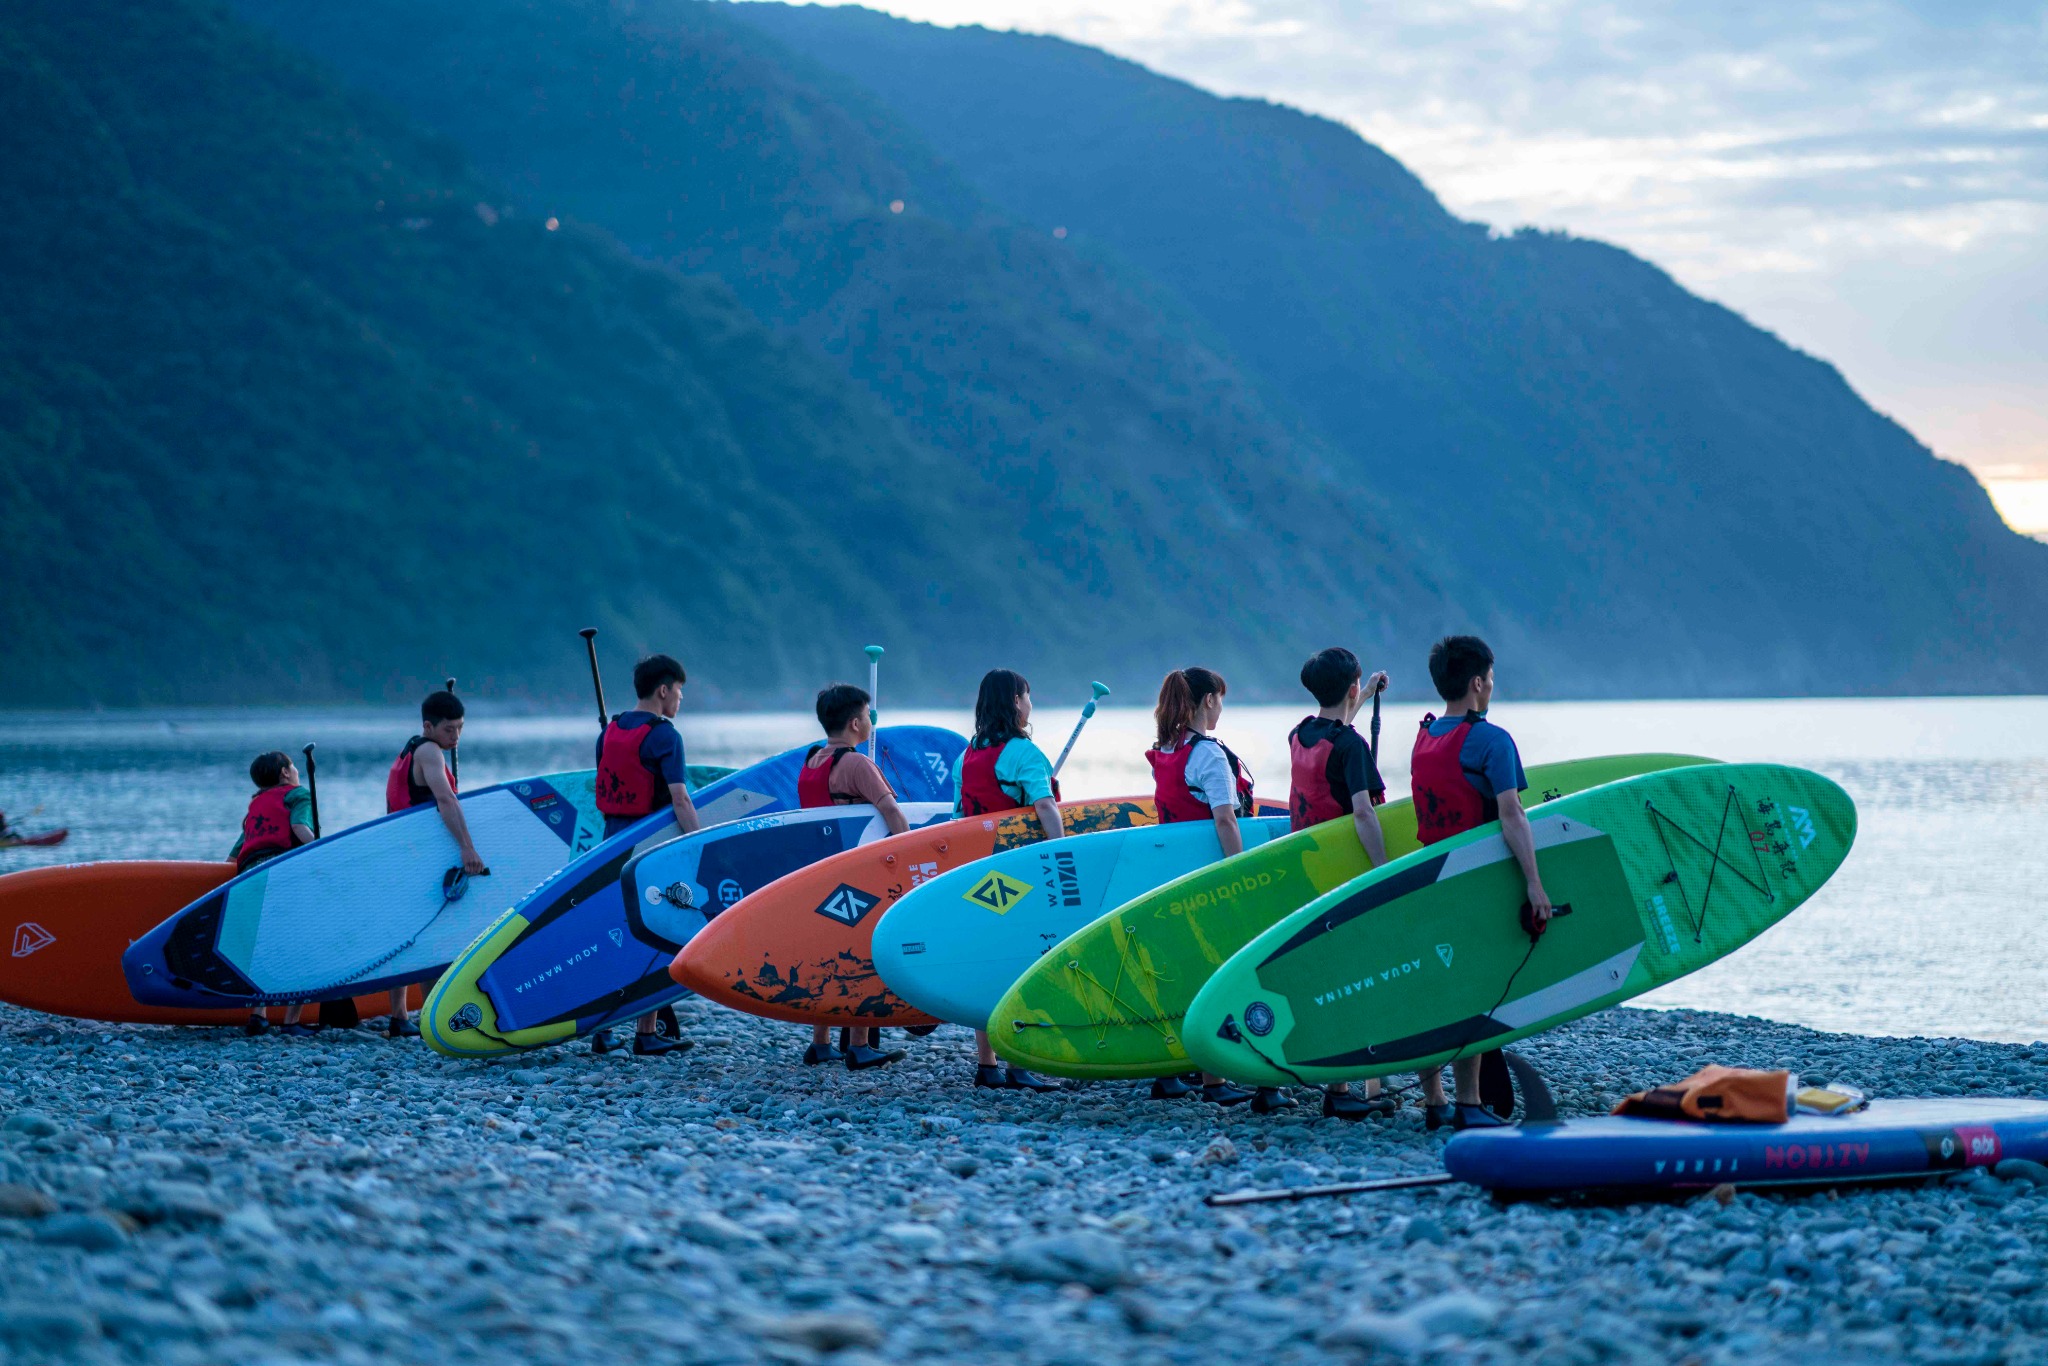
1097, 692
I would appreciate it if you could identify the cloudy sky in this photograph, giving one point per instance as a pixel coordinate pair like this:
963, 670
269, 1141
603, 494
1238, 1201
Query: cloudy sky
1866, 178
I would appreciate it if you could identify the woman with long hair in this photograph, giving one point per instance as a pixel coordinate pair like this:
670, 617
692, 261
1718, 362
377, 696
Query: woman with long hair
1195, 777
1003, 770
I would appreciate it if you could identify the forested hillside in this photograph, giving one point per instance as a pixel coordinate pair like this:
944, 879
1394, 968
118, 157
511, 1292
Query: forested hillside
385, 339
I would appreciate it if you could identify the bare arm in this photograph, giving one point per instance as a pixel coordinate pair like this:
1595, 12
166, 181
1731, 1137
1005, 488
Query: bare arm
892, 815
1227, 833
301, 834
1514, 828
1049, 816
1366, 817
687, 819
436, 779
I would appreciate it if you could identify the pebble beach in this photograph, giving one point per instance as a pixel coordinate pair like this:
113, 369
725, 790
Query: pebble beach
192, 1196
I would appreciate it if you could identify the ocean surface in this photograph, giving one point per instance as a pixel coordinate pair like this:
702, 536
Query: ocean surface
1934, 926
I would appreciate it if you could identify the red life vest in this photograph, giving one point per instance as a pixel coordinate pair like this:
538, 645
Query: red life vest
1173, 799
401, 792
814, 784
1446, 799
980, 793
267, 828
1312, 800
626, 786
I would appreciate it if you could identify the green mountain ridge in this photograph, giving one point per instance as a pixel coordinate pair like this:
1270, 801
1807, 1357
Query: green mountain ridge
304, 399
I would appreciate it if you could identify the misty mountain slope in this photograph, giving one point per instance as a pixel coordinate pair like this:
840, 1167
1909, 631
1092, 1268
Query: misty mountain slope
289, 409
1731, 514
1147, 477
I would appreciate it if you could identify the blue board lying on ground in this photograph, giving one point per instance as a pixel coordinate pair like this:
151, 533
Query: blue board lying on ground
544, 971
1892, 1139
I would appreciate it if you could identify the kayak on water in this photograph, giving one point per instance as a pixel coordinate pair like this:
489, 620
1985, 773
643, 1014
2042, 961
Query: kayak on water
42, 841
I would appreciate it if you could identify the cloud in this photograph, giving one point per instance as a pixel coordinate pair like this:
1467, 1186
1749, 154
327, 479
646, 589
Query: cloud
1816, 165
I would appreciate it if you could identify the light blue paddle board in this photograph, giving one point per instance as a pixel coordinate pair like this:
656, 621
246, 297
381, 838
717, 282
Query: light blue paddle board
953, 946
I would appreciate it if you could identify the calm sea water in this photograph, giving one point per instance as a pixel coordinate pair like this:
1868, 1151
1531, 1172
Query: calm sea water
1932, 927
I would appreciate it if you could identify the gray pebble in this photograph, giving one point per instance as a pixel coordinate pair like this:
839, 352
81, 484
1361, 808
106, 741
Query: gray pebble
33, 1123
24, 1202
95, 1232
1081, 1258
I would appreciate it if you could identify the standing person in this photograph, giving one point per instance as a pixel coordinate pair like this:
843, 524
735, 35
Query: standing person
1467, 772
279, 819
420, 776
836, 773
1003, 770
1334, 773
640, 770
1195, 777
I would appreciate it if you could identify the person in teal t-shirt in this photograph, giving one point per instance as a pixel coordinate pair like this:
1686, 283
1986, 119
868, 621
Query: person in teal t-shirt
279, 820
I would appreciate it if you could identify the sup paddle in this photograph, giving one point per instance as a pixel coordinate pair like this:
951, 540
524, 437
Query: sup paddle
874, 654
1100, 691
454, 758
313, 788
589, 634
1267, 1197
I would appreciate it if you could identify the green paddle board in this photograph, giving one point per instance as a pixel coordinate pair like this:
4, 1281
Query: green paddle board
1108, 1000
1425, 960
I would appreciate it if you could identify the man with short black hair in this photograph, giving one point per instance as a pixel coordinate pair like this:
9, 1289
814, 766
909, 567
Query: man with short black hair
1465, 773
640, 769
420, 776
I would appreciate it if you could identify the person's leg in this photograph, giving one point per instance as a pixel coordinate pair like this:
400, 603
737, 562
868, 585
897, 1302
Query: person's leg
257, 1022
401, 1025
1465, 1072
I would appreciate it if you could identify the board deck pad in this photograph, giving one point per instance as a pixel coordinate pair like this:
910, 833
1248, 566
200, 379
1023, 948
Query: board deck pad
801, 949
1425, 960
1890, 1139
364, 908
587, 897
526, 984
67, 926
1109, 1000
952, 946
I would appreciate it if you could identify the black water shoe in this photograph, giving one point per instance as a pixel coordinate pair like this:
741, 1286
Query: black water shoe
989, 1076
401, 1028
822, 1053
255, 1026
1020, 1080
861, 1056
1224, 1094
1341, 1104
1174, 1088
1477, 1117
652, 1045
1268, 1099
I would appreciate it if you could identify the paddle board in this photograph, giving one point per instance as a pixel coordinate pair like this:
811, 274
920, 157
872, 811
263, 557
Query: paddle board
1109, 1003
67, 926
953, 945
917, 760
801, 949
526, 984
1425, 959
366, 908
1889, 1139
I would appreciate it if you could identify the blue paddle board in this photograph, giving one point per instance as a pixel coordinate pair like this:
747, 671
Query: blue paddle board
1891, 1139
582, 907
953, 946
527, 984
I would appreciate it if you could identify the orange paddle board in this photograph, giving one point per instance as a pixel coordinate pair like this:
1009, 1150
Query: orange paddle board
802, 948
66, 927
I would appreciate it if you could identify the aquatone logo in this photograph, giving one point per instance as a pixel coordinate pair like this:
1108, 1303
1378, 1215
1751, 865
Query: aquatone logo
847, 905
1062, 881
1369, 981
1236, 887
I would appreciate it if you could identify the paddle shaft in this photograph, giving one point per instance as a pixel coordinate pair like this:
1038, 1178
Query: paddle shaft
589, 634
874, 654
1100, 691
313, 789
1391, 1183
454, 755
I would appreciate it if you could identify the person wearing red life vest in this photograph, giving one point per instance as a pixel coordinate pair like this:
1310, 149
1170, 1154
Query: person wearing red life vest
641, 770
1333, 774
1195, 777
1465, 773
1002, 769
279, 819
836, 773
420, 776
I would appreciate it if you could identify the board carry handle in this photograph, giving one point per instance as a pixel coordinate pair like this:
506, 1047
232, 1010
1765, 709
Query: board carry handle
589, 634
874, 654
1529, 917
1097, 691
313, 787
